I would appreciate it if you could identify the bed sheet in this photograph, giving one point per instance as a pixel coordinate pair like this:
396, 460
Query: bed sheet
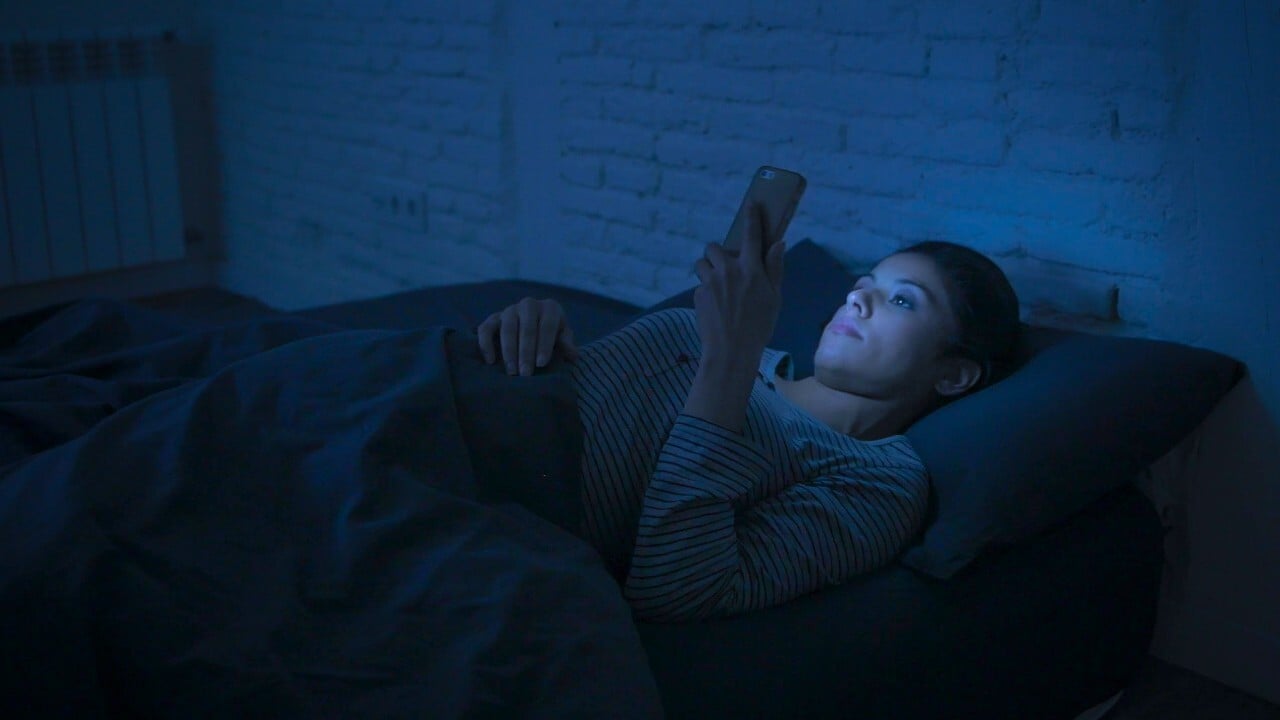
282, 517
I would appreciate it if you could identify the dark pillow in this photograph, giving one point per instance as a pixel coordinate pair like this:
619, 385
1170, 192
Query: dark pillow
1080, 415
814, 285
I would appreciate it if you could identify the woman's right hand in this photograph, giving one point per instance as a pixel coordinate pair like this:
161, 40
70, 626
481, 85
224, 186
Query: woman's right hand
525, 336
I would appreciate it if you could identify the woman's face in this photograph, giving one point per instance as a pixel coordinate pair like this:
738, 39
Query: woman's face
886, 340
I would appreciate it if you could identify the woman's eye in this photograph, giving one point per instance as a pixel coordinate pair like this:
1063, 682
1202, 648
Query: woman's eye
902, 301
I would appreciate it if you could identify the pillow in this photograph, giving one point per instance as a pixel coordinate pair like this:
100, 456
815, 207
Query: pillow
1080, 415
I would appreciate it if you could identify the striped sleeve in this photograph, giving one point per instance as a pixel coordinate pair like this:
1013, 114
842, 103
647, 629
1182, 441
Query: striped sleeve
704, 548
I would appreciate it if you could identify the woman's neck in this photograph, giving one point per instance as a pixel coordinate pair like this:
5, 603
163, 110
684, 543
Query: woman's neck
857, 416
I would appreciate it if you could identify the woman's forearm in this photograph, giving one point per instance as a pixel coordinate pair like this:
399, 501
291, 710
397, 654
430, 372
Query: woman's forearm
720, 393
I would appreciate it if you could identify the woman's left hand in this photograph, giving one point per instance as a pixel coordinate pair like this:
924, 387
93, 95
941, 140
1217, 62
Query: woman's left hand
738, 301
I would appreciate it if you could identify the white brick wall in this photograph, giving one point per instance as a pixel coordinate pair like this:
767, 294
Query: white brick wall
903, 114
337, 120
548, 134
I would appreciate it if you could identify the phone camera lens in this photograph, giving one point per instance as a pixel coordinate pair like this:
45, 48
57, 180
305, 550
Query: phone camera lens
766, 174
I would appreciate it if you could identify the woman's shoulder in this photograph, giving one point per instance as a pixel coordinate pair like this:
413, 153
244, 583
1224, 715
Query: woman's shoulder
893, 451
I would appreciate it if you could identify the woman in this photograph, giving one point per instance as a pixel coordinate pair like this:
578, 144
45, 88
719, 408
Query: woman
712, 481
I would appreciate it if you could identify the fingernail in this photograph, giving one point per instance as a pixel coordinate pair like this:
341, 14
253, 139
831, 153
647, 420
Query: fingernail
542, 360
524, 369
511, 368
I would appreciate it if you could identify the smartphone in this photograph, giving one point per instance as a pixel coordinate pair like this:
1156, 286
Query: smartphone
778, 191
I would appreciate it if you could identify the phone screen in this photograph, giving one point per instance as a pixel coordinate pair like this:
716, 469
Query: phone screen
778, 191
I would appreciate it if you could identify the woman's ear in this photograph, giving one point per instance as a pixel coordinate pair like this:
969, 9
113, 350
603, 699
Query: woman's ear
959, 374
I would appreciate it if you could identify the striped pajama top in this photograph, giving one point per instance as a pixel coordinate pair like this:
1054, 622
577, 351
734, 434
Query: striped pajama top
704, 522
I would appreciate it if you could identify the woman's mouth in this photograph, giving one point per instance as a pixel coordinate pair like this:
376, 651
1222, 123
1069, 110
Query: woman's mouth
843, 327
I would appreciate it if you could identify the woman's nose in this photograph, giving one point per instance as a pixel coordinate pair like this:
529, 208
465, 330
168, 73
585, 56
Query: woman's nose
859, 302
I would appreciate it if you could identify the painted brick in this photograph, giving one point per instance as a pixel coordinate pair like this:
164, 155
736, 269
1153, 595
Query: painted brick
697, 225
1133, 159
768, 126
1141, 113
965, 59
864, 18
715, 83
652, 44
1045, 196
467, 37
593, 13
636, 176
970, 19
392, 31
976, 142
608, 204
576, 41
470, 206
768, 15
434, 62
597, 136
864, 174
462, 92
1060, 110
463, 149
1099, 68
703, 151
899, 219
1139, 208
580, 105
817, 90
878, 95
611, 272
687, 186
1121, 23
451, 120
582, 171
762, 49
597, 70
657, 110
681, 13
891, 56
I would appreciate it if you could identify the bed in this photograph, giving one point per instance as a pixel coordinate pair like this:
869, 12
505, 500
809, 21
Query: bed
211, 507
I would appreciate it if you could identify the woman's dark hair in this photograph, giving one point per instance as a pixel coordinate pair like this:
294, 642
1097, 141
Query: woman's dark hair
984, 303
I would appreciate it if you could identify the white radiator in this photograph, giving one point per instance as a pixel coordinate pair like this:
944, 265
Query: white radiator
88, 164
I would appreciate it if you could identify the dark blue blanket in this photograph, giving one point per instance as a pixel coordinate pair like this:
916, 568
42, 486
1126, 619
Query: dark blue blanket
284, 519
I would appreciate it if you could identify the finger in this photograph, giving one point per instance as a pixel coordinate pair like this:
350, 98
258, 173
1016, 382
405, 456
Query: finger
484, 333
774, 261
507, 336
715, 255
529, 312
702, 268
753, 240
568, 345
548, 328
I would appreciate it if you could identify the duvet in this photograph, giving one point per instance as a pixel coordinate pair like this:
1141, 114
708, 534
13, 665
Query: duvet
282, 518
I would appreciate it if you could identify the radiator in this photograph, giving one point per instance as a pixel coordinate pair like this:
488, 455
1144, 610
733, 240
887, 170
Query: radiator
88, 163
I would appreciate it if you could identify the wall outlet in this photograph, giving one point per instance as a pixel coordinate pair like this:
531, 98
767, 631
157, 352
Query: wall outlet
400, 207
